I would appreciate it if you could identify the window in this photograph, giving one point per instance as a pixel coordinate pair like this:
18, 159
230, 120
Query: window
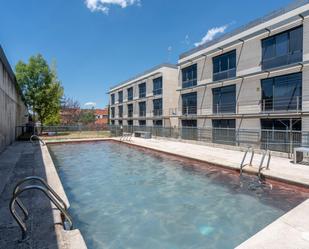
142, 90
130, 110
189, 123
224, 66
112, 99
112, 112
130, 122
158, 123
283, 49
224, 99
276, 134
120, 96
224, 131
282, 93
189, 76
120, 111
142, 109
130, 93
157, 107
112, 122
120, 122
189, 103
142, 122
157, 86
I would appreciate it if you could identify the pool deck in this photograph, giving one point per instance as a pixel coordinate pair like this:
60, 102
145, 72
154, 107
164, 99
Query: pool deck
44, 224
280, 168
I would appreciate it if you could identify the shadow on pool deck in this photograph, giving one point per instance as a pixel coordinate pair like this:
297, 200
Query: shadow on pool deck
16, 162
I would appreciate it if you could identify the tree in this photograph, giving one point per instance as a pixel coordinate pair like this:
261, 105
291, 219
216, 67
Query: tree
87, 116
41, 89
70, 111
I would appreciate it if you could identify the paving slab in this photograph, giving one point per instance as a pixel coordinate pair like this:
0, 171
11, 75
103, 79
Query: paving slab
45, 227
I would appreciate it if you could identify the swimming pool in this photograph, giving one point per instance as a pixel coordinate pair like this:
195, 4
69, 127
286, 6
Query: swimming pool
125, 197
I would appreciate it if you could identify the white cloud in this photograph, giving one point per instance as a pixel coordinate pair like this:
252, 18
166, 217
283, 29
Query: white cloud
104, 5
92, 104
211, 33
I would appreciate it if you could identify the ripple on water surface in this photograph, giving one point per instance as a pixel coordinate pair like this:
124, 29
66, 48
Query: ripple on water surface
124, 197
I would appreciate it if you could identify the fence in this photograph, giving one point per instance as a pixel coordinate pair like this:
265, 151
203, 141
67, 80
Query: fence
276, 140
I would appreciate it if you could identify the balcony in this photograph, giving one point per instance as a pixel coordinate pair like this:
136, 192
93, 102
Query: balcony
189, 110
157, 112
189, 83
282, 104
157, 91
142, 113
296, 56
130, 114
224, 108
222, 75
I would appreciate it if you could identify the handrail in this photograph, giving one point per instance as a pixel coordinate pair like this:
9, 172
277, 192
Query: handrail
266, 152
242, 165
126, 137
38, 138
21, 223
41, 180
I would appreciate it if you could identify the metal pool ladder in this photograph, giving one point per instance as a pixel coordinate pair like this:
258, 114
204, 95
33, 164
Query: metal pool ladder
48, 192
261, 167
242, 164
126, 137
37, 138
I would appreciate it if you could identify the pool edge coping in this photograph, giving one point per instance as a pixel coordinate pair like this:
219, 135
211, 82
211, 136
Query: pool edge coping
72, 239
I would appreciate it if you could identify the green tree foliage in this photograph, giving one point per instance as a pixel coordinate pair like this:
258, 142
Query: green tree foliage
41, 89
87, 117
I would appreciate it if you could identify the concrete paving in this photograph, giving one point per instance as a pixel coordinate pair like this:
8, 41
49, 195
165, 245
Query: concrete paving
280, 168
44, 224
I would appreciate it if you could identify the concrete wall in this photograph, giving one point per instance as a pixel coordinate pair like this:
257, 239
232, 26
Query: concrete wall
12, 108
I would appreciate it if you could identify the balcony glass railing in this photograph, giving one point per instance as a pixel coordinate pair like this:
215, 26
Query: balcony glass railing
222, 75
282, 104
283, 60
142, 113
189, 110
157, 112
157, 91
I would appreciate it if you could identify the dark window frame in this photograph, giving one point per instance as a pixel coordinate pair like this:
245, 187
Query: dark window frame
220, 95
189, 76
224, 66
157, 86
142, 90
189, 103
272, 48
130, 112
112, 99
120, 97
130, 93
120, 111
157, 103
142, 107
274, 86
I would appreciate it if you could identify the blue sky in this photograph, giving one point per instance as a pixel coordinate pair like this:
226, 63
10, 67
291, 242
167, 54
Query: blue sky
97, 45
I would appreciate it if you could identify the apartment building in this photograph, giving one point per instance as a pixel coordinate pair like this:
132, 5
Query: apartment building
256, 77
147, 99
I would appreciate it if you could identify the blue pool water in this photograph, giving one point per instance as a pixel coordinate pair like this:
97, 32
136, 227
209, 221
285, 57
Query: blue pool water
123, 197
